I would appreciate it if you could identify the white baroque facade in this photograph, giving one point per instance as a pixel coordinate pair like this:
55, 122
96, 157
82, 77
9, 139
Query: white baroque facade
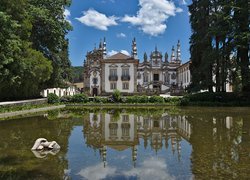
156, 73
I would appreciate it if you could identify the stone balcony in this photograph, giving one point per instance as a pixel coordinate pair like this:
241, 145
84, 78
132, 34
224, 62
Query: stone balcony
125, 78
113, 78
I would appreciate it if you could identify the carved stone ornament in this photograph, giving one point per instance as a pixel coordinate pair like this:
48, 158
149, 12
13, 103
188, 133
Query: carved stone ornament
173, 76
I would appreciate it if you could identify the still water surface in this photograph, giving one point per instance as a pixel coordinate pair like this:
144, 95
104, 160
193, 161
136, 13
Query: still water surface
191, 143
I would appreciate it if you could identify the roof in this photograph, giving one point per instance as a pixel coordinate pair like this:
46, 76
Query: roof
119, 56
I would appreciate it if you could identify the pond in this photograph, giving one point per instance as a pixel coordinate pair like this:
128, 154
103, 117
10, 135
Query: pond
132, 143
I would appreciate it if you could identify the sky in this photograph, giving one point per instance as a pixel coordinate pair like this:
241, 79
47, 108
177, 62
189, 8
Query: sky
153, 23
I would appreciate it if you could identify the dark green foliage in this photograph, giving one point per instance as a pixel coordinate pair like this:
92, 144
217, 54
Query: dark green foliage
80, 98
33, 48
98, 99
156, 99
66, 99
172, 100
137, 99
53, 98
77, 74
116, 95
219, 45
217, 99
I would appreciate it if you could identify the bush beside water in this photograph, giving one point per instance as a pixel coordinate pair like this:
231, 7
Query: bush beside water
199, 99
216, 99
53, 98
80, 98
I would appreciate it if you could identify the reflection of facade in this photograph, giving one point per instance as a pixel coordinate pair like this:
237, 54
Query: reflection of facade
122, 131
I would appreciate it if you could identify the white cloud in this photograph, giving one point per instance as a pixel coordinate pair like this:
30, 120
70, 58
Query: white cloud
179, 10
67, 14
152, 16
121, 35
97, 20
151, 168
113, 52
183, 2
125, 52
97, 172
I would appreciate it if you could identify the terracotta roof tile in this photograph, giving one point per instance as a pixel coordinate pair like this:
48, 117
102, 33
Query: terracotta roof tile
119, 56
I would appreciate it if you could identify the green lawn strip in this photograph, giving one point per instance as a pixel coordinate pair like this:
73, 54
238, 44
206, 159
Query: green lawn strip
14, 108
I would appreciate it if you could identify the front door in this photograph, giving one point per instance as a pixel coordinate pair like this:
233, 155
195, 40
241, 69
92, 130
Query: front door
95, 91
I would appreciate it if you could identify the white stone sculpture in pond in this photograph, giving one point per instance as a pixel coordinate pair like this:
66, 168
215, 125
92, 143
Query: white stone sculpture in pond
42, 147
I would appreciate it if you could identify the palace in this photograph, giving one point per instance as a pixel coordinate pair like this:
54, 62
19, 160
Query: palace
157, 73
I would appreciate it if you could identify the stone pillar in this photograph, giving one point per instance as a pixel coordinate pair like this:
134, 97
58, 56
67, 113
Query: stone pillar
135, 78
102, 78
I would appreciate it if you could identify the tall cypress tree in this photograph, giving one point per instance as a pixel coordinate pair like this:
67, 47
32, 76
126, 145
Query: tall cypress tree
200, 45
220, 35
242, 40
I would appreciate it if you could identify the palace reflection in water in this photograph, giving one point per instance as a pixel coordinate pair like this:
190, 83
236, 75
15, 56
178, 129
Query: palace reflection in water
122, 131
133, 143
220, 143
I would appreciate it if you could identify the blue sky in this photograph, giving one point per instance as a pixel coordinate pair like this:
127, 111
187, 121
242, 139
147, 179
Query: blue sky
153, 23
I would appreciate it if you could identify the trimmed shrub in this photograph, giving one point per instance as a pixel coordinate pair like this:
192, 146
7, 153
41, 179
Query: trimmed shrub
98, 99
143, 99
184, 101
130, 99
156, 99
116, 95
53, 98
66, 99
80, 98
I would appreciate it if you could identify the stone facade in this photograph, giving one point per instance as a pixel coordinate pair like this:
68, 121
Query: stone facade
184, 75
156, 74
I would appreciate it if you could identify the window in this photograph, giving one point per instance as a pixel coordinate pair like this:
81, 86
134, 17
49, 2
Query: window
113, 85
156, 77
113, 129
125, 129
95, 80
113, 72
156, 124
125, 85
145, 77
125, 118
125, 72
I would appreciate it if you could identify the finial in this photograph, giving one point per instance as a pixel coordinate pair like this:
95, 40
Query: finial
166, 57
178, 56
104, 49
145, 57
173, 54
134, 49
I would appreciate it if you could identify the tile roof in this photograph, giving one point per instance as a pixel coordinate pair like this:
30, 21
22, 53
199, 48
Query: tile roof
119, 56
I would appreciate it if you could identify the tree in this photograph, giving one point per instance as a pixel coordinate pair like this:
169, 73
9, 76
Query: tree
241, 35
220, 36
49, 28
32, 40
200, 45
